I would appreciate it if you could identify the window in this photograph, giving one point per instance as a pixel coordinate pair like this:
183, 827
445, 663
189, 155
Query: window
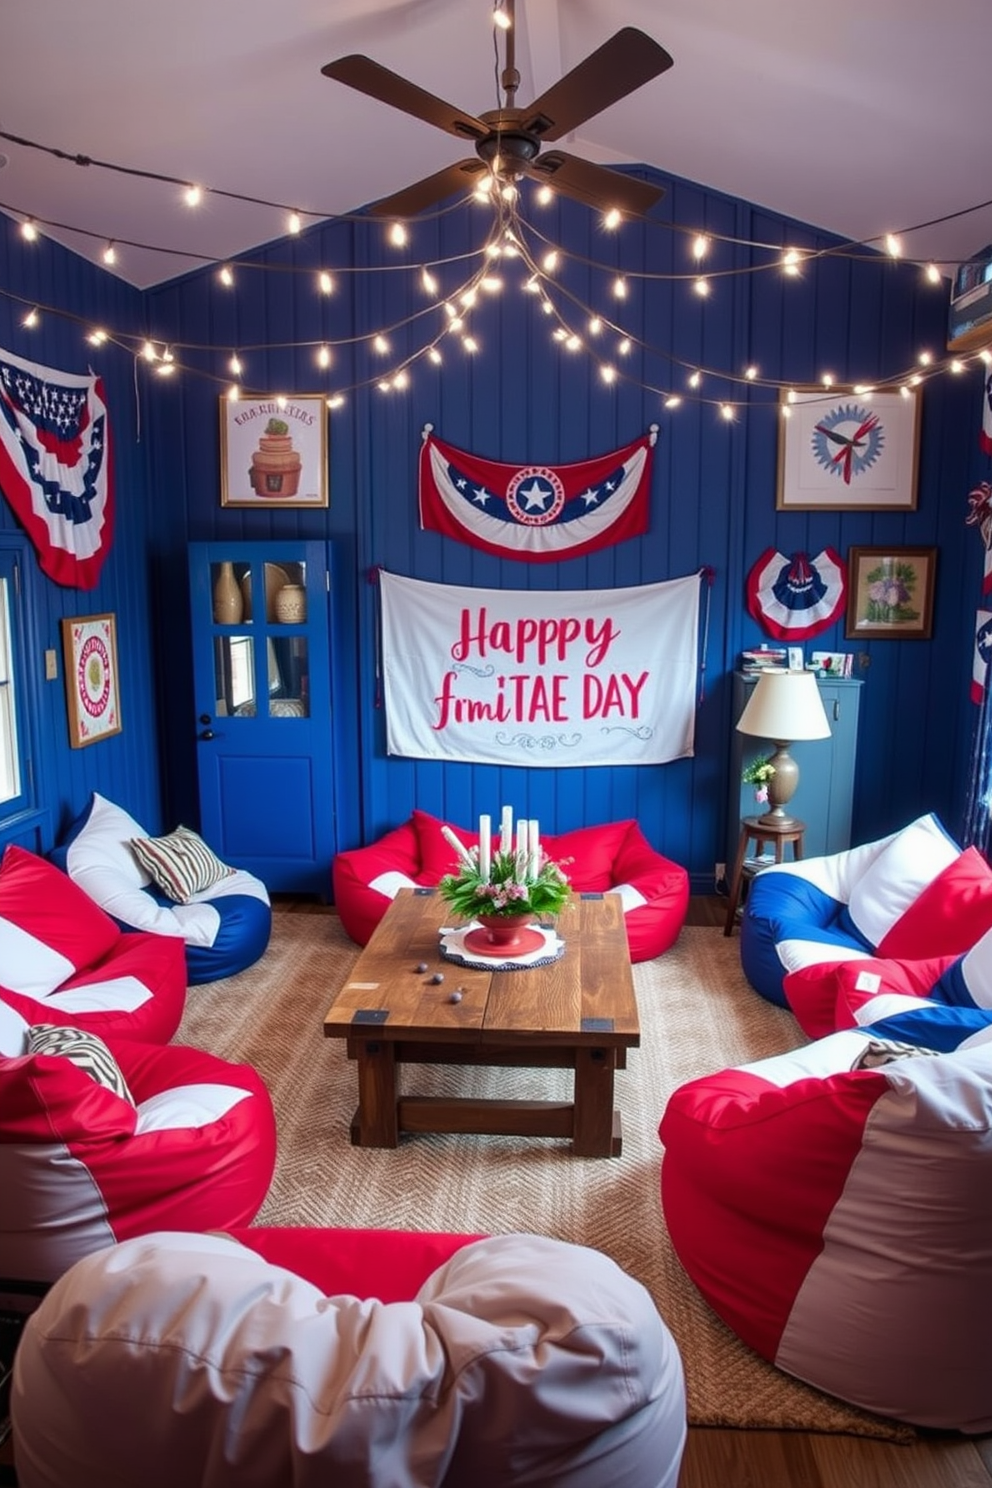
14, 755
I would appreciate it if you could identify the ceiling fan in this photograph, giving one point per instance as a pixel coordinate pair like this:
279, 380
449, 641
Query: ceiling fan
508, 140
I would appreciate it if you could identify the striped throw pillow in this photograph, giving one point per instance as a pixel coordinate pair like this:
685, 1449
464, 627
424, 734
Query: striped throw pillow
85, 1050
181, 864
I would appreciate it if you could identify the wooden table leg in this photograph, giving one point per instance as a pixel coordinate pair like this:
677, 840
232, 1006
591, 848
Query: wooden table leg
378, 1120
735, 883
593, 1134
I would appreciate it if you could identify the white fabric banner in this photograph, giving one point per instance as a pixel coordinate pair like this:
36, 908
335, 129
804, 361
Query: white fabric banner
540, 677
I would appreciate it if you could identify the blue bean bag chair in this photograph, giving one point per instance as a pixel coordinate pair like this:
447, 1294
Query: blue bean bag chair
914, 894
172, 885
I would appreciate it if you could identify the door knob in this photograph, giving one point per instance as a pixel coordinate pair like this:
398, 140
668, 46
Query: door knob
207, 734
205, 718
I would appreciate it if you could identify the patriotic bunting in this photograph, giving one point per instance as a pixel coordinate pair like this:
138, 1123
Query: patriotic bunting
795, 598
56, 468
536, 513
980, 516
985, 434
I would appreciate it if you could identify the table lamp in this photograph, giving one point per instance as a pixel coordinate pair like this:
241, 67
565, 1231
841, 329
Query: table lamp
784, 707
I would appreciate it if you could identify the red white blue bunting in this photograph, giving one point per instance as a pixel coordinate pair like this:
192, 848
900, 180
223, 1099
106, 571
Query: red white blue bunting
795, 598
56, 466
536, 513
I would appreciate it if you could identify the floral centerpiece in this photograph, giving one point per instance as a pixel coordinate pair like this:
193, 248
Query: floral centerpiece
758, 772
515, 881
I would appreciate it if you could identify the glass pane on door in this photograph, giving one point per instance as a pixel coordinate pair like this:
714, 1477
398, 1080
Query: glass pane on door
291, 697
234, 676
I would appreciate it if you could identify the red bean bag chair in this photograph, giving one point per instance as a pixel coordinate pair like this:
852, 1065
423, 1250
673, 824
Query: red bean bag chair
325, 1356
99, 1145
614, 856
64, 960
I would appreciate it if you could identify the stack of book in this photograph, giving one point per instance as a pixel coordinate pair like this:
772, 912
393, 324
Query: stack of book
763, 657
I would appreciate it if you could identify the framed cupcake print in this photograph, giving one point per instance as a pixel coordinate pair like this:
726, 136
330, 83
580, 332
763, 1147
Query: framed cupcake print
273, 451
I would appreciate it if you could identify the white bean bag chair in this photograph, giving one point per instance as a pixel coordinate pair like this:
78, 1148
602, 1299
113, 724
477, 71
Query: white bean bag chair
181, 1359
834, 1207
912, 894
99, 1144
225, 925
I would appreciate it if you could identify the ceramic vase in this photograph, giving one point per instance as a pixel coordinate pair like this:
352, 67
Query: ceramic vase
228, 600
291, 604
504, 930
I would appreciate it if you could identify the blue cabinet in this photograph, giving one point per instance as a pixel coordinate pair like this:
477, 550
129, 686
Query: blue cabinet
824, 797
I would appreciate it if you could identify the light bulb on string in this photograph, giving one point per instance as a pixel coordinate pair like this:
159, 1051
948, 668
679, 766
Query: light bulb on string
149, 353
673, 401
97, 337
193, 195
381, 345
435, 356
294, 224
501, 19
165, 369
620, 288
925, 358
727, 412
28, 230
398, 235
574, 343
336, 401
608, 373
595, 326
612, 219
893, 247
550, 261
702, 287
281, 401
544, 196
623, 347
750, 373
791, 262
110, 254
428, 281
700, 246
233, 393
324, 356
695, 379
31, 319
225, 276
234, 366
932, 274
325, 282
470, 344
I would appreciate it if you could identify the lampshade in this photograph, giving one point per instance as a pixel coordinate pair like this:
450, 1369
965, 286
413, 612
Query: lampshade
785, 706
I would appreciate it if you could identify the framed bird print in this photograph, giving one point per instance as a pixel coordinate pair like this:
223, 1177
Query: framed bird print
848, 450
89, 644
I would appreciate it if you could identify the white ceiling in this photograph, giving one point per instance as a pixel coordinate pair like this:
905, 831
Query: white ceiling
861, 118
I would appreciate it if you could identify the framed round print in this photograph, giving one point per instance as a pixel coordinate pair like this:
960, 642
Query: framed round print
89, 645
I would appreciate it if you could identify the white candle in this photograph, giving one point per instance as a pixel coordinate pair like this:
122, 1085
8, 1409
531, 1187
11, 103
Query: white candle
522, 847
459, 847
485, 847
506, 831
534, 848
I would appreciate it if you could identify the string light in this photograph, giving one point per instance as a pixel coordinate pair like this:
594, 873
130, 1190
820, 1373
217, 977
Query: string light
612, 220
932, 274
233, 393
28, 230
893, 247
695, 379
470, 344
381, 345
149, 353
702, 287
429, 282
550, 261
110, 254
31, 319
226, 277
620, 287
673, 401
727, 411
700, 246
336, 401
324, 357
544, 196
750, 373
325, 282
234, 366
501, 19
398, 235
608, 373
294, 224
193, 196
435, 356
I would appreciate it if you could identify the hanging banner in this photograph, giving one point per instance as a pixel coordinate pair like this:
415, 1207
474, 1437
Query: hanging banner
537, 513
56, 468
980, 516
514, 677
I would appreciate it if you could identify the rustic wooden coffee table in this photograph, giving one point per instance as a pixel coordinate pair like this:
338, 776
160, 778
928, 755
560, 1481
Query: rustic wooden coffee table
577, 1013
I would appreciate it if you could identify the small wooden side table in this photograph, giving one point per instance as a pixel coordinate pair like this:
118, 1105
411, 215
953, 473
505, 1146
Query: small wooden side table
759, 830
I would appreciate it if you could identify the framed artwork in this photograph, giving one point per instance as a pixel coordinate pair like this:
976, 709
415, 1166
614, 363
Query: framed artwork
890, 593
848, 451
273, 451
89, 645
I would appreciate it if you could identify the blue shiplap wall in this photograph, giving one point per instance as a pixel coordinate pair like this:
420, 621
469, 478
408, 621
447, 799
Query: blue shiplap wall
124, 766
522, 398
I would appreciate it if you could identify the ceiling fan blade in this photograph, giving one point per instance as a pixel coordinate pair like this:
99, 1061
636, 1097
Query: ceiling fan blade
621, 65
413, 199
378, 82
594, 185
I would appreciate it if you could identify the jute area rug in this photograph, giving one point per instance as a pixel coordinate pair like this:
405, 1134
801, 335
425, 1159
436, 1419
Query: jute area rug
697, 1015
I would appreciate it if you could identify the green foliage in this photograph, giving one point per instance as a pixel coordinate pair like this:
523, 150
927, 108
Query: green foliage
277, 426
508, 890
757, 771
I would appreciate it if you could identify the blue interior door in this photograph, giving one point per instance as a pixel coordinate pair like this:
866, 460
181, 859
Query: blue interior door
261, 662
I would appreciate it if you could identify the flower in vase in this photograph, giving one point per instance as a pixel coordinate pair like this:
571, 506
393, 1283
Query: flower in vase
510, 889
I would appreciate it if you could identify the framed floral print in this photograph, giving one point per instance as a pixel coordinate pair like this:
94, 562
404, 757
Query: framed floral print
848, 451
89, 645
890, 593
